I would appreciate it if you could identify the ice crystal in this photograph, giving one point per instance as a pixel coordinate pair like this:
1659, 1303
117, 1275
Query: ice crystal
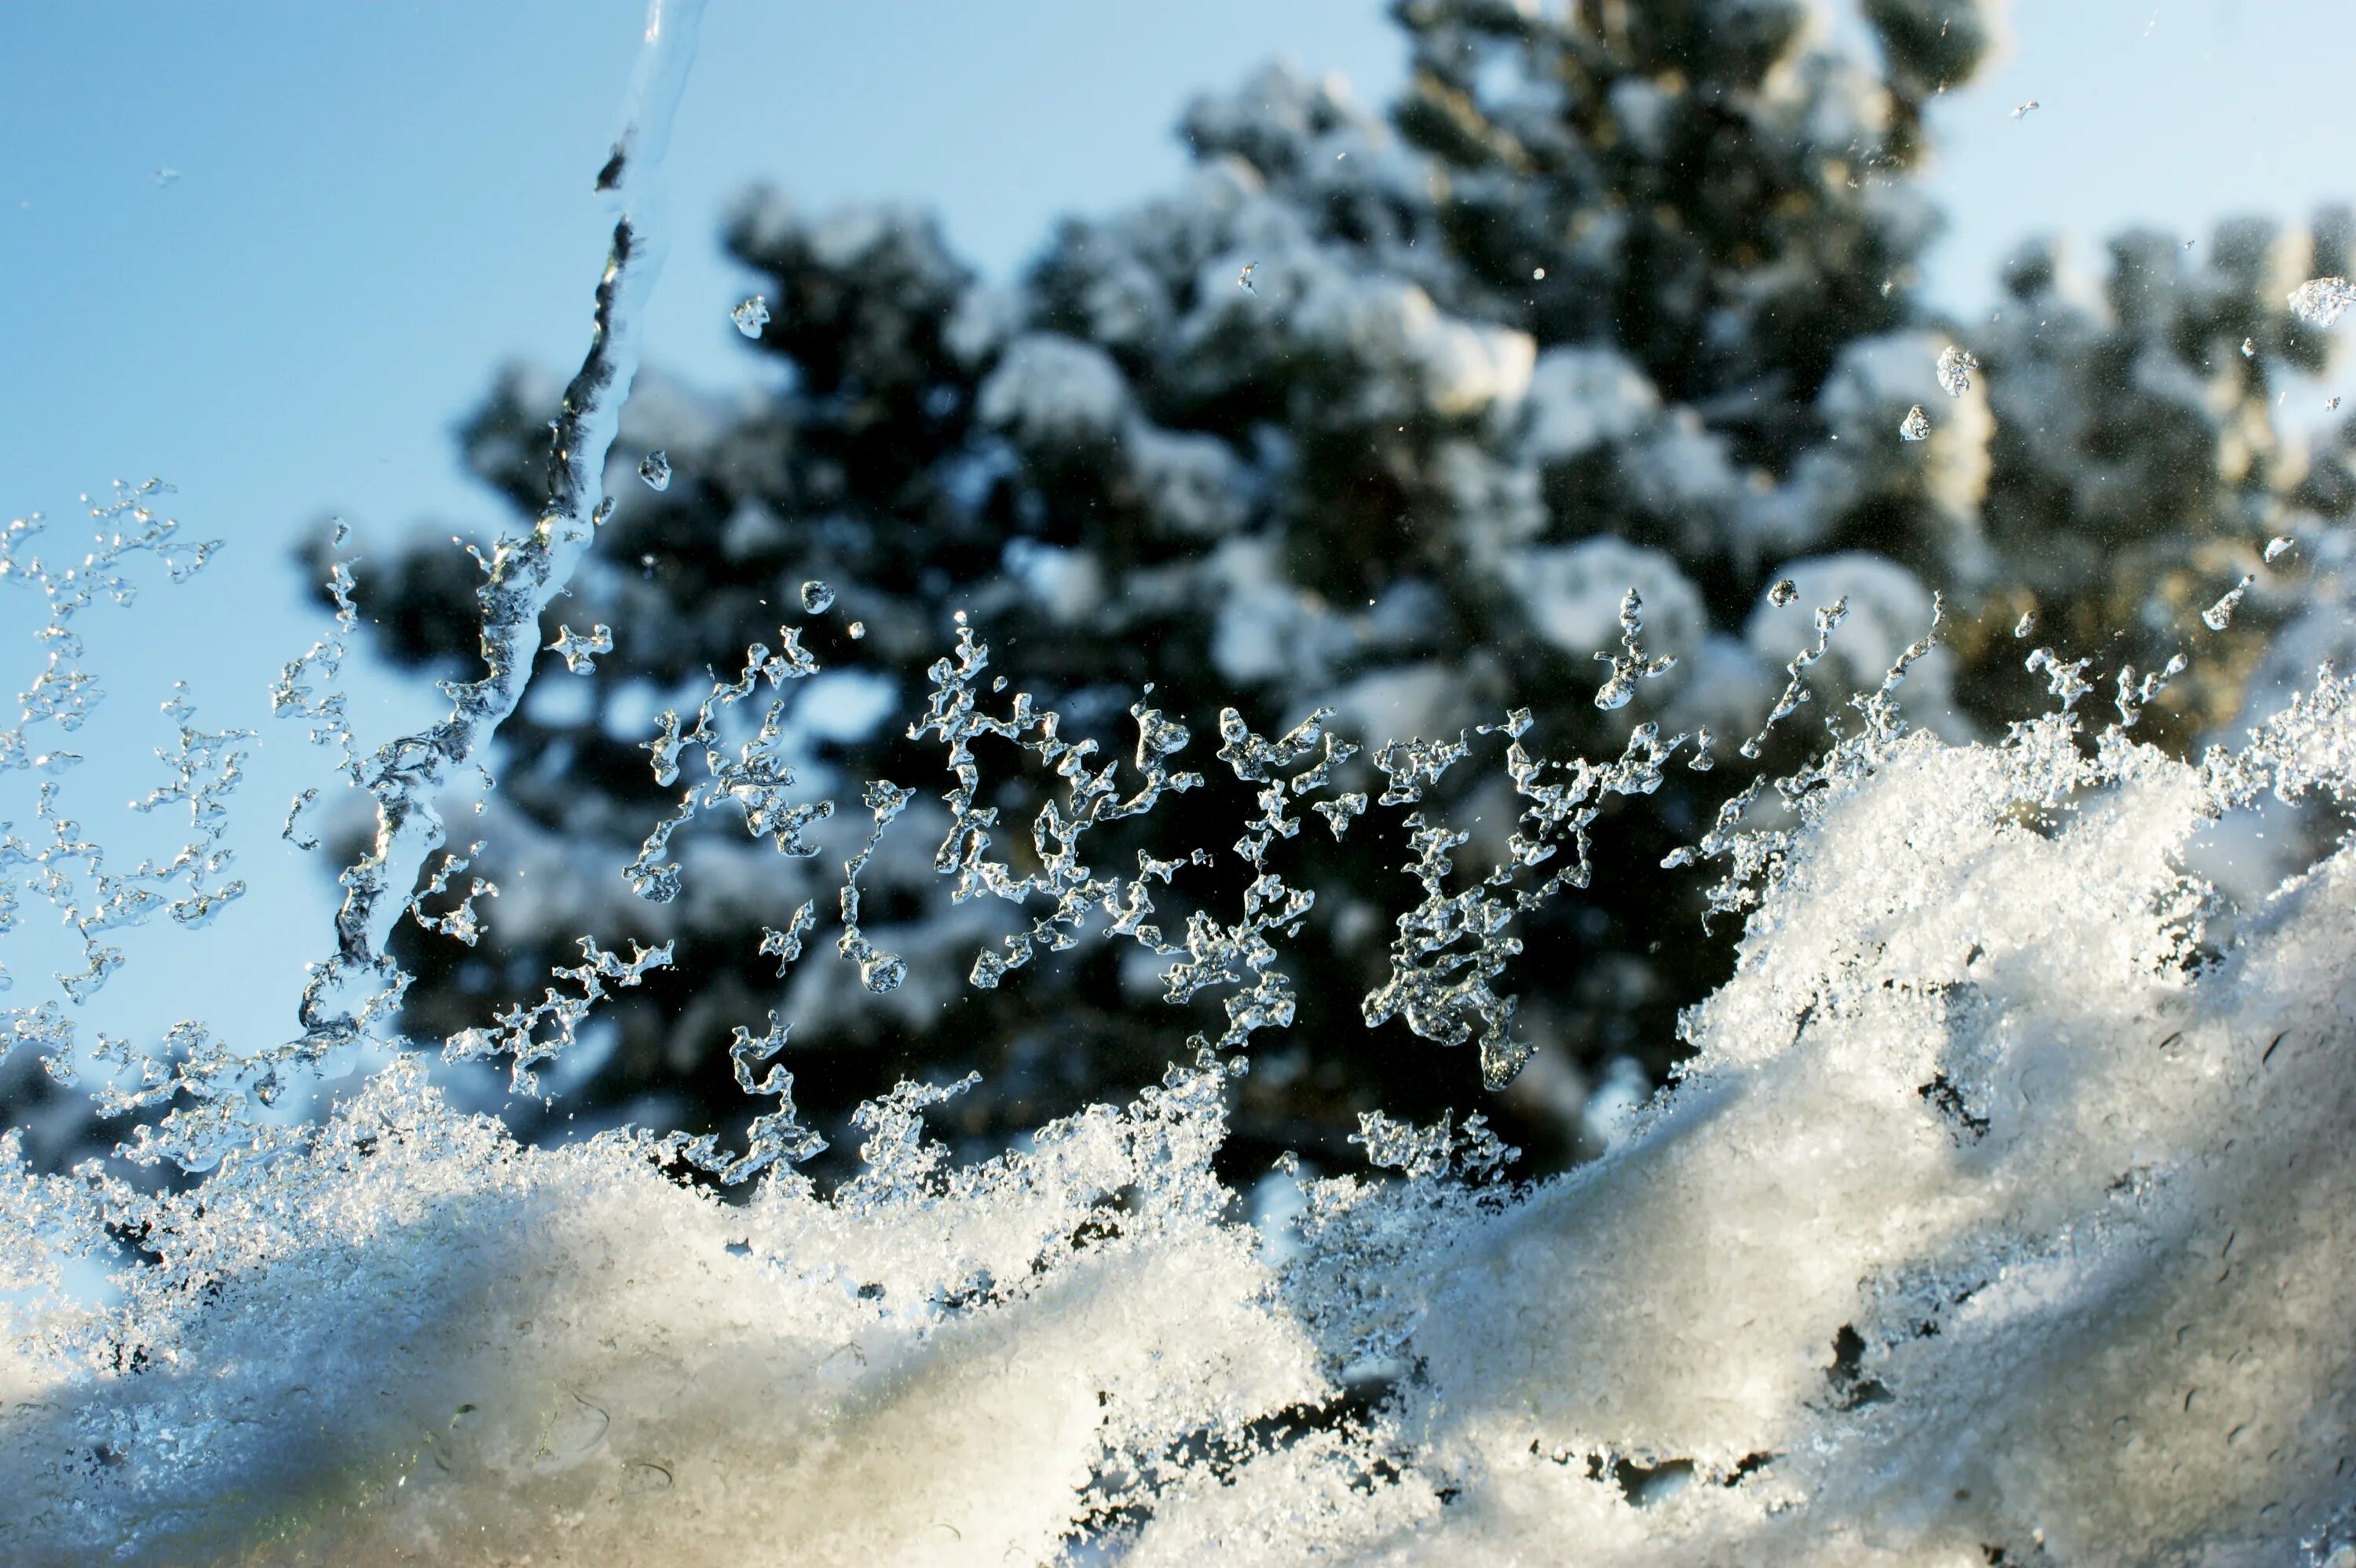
2319, 301
1629, 666
1954, 370
534, 1035
1795, 689
580, 653
755, 779
2220, 615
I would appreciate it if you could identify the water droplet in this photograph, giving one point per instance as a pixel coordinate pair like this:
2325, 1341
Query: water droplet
998, 683
2249, 349
165, 177
1537, 275
1243, 279
646, 566
2026, 624
2220, 615
2026, 109
751, 316
1915, 426
857, 629
2332, 405
655, 469
1783, 592
817, 597
2280, 545
1955, 367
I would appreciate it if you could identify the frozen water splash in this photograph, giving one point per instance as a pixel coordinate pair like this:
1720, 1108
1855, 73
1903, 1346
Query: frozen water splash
2220, 615
1982, 1217
756, 778
1795, 691
59, 860
1954, 370
533, 1036
354, 989
580, 653
2318, 301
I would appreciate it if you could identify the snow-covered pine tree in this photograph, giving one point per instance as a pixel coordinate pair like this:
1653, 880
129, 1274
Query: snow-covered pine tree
1386, 417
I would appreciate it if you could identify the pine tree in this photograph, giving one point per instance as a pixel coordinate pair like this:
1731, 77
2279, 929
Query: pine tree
1383, 417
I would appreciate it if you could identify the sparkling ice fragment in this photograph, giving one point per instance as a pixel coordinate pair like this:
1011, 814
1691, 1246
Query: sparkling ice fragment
2318, 301
751, 316
1955, 367
580, 653
2220, 615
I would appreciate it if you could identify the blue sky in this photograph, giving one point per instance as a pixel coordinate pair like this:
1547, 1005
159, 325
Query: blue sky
373, 206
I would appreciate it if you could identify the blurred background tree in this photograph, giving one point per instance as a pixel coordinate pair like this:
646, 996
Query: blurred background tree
1385, 416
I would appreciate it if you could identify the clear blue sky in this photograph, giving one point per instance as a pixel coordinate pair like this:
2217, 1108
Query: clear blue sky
376, 205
